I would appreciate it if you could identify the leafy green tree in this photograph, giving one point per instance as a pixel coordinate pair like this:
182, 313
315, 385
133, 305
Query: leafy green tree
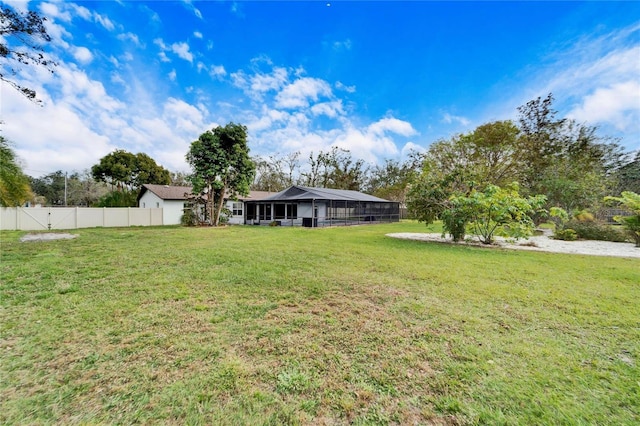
631, 202
21, 40
489, 154
126, 170
221, 165
562, 159
51, 187
628, 176
124, 198
14, 184
81, 189
496, 208
391, 180
429, 199
116, 169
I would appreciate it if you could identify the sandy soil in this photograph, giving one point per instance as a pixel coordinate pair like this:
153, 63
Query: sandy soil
48, 236
542, 243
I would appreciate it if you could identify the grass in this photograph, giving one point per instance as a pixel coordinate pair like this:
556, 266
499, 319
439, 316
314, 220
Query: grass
259, 325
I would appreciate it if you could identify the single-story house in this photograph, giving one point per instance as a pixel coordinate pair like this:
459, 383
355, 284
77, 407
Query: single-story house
174, 199
319, 207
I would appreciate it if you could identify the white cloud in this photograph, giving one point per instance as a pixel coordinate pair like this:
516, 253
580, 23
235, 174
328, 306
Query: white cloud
331, 109
595, 79
299, 93
618, 104
163, 57
410, 147
129, 36
392, 125
348, 89
104, 21
52, 10
83, 55
172, 75
197, 34
451, 119
217, 71
342, 45
182, 50
266, 82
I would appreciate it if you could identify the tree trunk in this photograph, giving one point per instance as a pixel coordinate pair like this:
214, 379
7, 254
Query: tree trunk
220, 203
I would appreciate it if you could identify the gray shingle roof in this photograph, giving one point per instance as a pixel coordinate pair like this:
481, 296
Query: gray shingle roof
300, 193
168, 192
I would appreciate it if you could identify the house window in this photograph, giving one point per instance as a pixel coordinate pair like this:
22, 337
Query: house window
144, 204
265, 212
279, 211
292, 211
157, 204
237, 209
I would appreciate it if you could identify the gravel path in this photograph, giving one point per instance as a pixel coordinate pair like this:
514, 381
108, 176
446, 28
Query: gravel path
542, 243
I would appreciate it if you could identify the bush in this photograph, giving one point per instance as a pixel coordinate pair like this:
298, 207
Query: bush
592, 230
630, 201
118, 199
566, 234
189, 218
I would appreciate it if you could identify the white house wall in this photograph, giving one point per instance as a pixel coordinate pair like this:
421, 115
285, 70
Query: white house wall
171, 209
235, 219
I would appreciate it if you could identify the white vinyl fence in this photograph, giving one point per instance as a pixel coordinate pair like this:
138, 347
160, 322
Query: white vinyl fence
45, 218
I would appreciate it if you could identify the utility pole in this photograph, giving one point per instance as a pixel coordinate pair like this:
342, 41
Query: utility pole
65, 189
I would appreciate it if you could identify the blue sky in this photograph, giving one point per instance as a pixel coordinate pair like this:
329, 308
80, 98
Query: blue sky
377, 78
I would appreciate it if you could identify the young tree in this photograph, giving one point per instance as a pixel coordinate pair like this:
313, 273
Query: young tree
429, 199
221, 165
14, 184
20, 38
497, 208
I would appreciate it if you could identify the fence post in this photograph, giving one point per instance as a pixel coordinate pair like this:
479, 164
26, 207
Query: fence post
104, 217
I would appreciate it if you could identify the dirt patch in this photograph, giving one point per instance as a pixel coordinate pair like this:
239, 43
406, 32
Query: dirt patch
49, 236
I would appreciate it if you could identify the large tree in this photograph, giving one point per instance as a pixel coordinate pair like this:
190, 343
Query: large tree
75, 189
276, 172
14, 184
126, 170
565, 160
628, 176
21, 39
221, 166
335, 169
392, 180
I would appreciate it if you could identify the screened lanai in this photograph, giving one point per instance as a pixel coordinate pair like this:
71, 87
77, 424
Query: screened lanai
320, 207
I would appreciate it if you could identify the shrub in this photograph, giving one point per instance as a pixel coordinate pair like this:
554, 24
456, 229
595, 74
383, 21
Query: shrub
189, 218
592, 230
566, 234
630, 201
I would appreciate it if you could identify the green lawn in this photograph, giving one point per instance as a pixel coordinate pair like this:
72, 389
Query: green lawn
258, 325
